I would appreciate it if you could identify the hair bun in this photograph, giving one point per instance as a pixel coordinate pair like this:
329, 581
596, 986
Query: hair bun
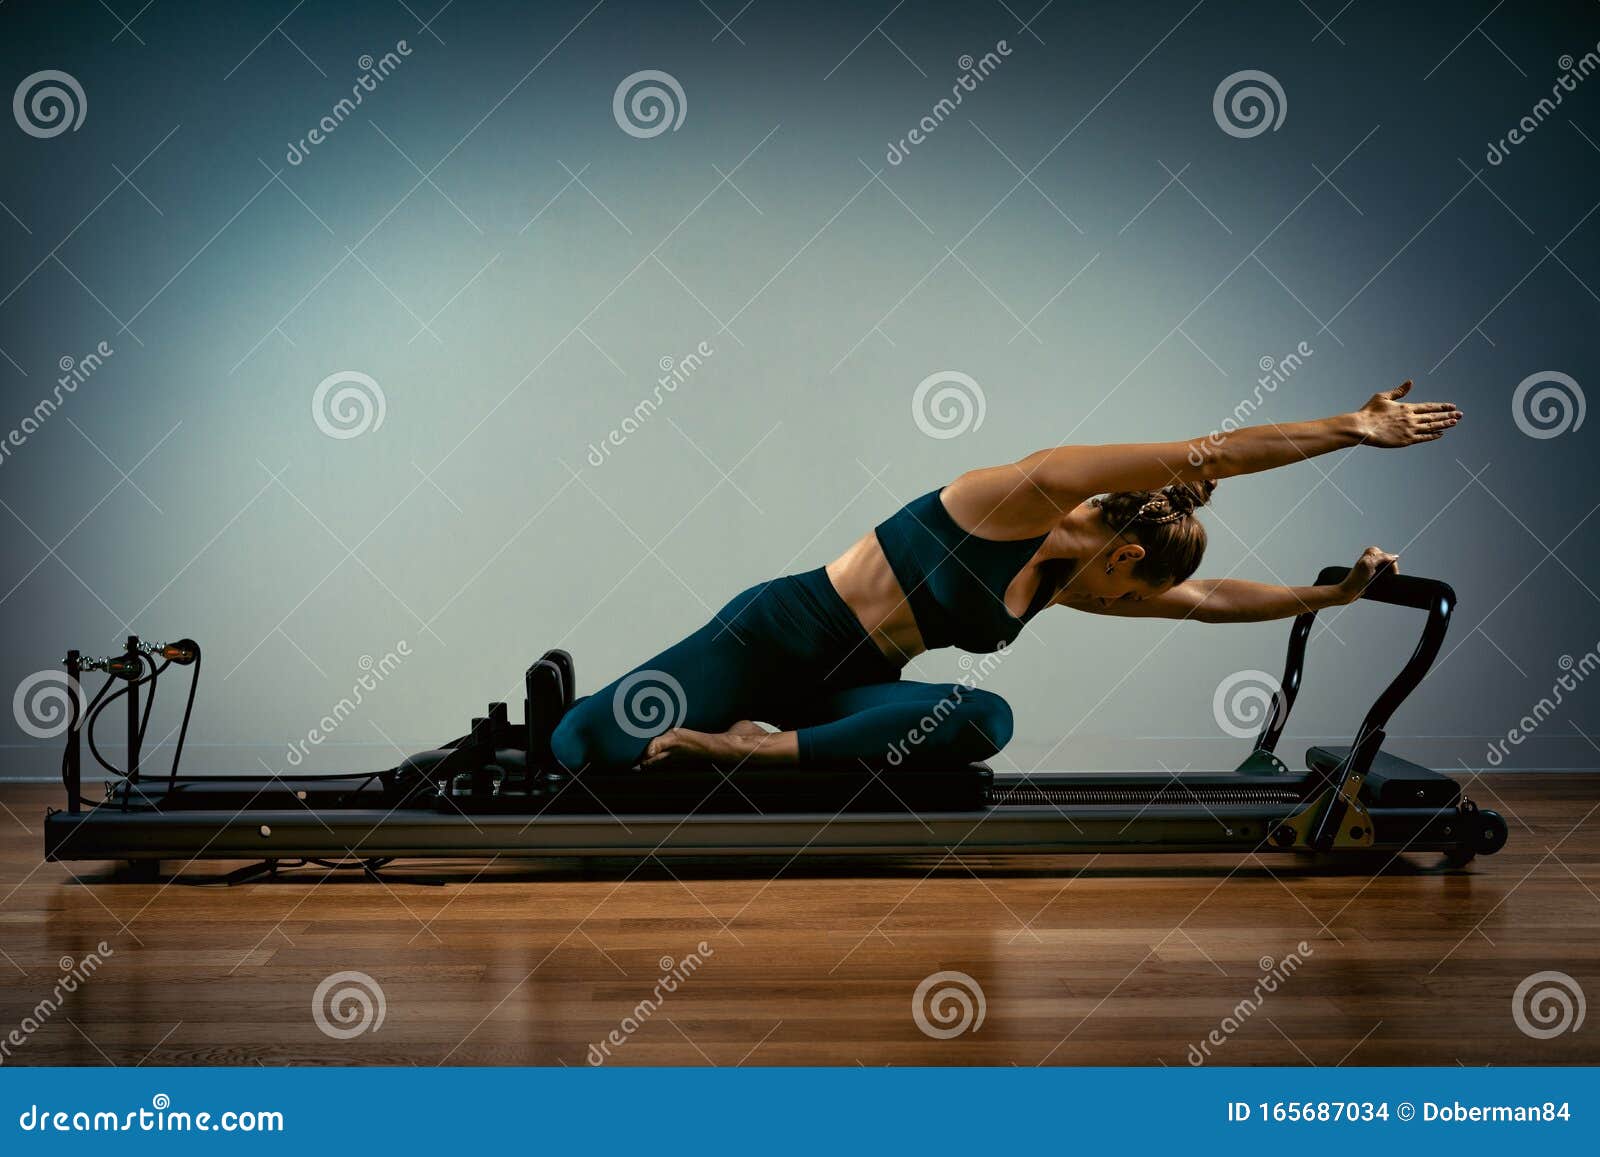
1184, 498
1125, 509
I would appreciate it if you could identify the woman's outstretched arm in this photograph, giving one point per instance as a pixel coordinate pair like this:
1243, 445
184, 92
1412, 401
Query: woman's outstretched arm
1240, 601
1384, 421
1040, 486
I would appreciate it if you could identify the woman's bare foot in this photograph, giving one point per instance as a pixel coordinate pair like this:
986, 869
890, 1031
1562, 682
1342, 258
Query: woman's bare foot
744, 741
681, 745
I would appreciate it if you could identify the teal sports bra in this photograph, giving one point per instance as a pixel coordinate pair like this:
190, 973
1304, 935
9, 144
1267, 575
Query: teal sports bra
955, 582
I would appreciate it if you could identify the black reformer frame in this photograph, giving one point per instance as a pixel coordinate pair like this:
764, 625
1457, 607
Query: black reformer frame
483, 796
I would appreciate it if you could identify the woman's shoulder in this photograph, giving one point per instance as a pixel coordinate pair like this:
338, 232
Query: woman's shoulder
1000, 502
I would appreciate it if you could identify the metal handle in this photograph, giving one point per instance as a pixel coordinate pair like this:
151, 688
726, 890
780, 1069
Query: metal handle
1402, 590
1423, 594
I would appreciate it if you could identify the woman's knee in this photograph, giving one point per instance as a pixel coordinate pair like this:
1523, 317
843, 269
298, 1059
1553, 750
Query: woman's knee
588, 736
568, 743
986, 722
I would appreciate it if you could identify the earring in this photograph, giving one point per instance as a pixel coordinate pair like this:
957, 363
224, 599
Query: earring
1108, 568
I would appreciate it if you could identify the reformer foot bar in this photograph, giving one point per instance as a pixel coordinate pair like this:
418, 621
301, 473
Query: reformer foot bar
496, 792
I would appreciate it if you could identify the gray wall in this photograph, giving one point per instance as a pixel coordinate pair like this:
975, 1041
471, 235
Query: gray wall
515, 306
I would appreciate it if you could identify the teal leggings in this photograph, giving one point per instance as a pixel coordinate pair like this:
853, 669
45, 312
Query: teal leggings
791, 653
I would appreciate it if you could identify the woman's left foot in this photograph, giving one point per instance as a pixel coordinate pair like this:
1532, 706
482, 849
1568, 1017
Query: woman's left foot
727, 748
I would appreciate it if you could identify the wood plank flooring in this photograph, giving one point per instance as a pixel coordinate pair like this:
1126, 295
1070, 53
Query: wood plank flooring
1081, 960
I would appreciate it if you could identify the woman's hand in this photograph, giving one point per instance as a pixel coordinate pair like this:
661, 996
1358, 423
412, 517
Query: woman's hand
1387, 421
1372, 561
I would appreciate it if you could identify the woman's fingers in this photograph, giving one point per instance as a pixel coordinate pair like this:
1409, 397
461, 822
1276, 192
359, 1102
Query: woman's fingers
1367, 567
1428, 427
1374, 559
1408, 423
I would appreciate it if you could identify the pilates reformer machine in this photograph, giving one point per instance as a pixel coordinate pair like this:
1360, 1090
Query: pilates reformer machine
497, 791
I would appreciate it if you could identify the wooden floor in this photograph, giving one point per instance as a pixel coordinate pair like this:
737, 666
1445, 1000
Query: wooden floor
1110, 960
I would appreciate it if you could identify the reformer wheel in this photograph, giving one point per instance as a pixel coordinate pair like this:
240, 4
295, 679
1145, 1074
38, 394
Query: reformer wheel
1485, 834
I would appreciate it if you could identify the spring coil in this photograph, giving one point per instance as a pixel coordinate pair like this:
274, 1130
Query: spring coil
1025, 796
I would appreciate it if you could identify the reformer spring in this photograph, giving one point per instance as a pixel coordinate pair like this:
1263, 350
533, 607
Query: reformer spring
1176, 794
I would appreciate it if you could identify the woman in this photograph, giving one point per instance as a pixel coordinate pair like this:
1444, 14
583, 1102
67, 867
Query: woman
1106, 529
